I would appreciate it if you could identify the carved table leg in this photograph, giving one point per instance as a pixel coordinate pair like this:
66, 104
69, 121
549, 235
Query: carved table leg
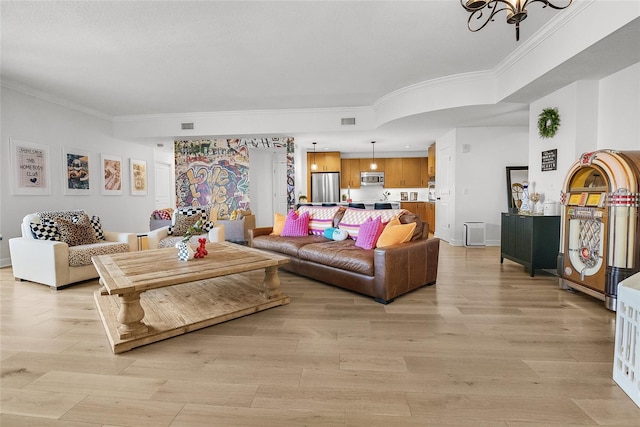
271, 283
130, 316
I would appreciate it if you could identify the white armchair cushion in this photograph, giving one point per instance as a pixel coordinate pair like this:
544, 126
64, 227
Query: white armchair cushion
81, 255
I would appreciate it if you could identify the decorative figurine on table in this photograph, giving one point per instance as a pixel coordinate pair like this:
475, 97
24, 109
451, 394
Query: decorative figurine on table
525, 209
185, 251
201, 250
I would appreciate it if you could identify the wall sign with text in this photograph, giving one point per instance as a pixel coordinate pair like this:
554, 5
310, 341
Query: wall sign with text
549, 160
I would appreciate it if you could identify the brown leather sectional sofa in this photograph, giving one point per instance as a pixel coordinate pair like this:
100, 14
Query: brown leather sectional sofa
383, 273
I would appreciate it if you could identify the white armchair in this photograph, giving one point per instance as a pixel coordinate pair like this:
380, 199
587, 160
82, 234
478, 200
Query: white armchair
180, 220
55, 263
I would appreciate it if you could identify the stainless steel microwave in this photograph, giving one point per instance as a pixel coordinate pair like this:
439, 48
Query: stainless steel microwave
371, 178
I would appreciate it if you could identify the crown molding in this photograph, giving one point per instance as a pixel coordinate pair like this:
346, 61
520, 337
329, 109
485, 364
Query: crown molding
45, 96
545, 32
238, 113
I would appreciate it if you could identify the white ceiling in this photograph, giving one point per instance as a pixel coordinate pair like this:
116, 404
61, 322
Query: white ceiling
124, 58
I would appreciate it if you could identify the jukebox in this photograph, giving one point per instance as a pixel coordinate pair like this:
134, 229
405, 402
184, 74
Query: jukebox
600, 230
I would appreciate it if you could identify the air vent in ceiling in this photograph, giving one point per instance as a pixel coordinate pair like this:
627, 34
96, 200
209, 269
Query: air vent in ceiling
187, 126
348, 121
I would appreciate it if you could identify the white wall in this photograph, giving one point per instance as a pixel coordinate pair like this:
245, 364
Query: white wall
594, 115
30, 119
480, 184
619, 110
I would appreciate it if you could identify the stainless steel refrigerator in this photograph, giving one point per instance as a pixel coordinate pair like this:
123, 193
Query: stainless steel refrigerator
325, 187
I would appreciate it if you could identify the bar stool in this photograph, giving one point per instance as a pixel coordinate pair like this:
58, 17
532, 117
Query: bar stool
329, 204
382, 206
357, 205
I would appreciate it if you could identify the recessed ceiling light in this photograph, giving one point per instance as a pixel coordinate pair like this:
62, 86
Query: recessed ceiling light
407, 146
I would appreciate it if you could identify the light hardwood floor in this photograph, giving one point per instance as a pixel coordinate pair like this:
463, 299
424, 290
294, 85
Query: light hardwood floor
487, 346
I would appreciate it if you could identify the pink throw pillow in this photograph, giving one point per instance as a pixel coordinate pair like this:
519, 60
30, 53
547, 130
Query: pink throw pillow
296, 226
369, 233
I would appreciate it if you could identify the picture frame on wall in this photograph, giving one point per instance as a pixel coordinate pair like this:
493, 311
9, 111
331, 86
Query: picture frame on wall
76, 172
404, 197
414, 196
138, 177
30, 169
111, 172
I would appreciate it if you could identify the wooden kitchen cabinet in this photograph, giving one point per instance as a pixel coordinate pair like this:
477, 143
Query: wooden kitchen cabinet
365, 165
530, 240
350, 173
431, 161
431, 216
328, 161
402, 172
424, 172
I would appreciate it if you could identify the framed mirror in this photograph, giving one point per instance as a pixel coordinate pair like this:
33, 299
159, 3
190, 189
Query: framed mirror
516, 175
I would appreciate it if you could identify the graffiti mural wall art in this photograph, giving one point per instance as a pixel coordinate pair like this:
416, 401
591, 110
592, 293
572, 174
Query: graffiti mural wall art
212, 172
216, 172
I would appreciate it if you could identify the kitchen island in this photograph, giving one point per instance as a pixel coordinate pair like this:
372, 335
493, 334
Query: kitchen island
368, 204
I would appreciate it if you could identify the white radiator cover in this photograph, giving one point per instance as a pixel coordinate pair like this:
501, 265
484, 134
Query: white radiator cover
475, 234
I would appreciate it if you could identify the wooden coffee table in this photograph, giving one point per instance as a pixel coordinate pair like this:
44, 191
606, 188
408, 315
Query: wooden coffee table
148, 296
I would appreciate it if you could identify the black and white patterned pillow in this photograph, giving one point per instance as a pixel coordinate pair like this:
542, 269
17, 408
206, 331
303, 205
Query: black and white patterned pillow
45, 230
97, 227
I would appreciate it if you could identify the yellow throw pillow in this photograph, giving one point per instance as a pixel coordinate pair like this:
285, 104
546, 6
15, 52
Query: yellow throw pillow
278, 224
395, 233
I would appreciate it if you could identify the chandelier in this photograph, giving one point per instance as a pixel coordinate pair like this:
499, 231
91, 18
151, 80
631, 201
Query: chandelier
483, 11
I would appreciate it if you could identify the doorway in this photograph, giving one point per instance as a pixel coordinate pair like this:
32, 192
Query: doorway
164, 187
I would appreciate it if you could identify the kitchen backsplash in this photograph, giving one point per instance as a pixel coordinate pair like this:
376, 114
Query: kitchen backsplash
374, 192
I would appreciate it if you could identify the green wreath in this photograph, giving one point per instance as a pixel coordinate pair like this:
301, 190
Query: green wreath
548, 122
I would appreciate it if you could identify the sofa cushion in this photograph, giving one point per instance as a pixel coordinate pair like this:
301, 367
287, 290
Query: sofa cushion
344, 255
68, 215
353, 218
395, 233
183, 223
286, 245
369, 233
320, 217
97, 227
408, 218
76, 233
296, 225
81, 255
278, 224
45, 229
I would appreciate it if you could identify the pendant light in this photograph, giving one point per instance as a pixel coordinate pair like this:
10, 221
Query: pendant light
373, 166
314, 165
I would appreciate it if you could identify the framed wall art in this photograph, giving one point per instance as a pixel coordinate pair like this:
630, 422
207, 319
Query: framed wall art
404, 197
138, 177
30, 168
111, 169
76, 175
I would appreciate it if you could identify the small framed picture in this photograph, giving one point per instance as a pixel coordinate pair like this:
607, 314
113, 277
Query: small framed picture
414, 196
111, 175
30, 168
138, 177
403, 196
76, 172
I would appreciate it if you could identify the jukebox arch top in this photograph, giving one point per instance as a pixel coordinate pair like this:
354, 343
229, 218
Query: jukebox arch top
600, 240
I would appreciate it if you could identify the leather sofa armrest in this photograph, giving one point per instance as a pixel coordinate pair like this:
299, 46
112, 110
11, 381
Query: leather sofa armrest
129, 238
401, 268
260, 231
